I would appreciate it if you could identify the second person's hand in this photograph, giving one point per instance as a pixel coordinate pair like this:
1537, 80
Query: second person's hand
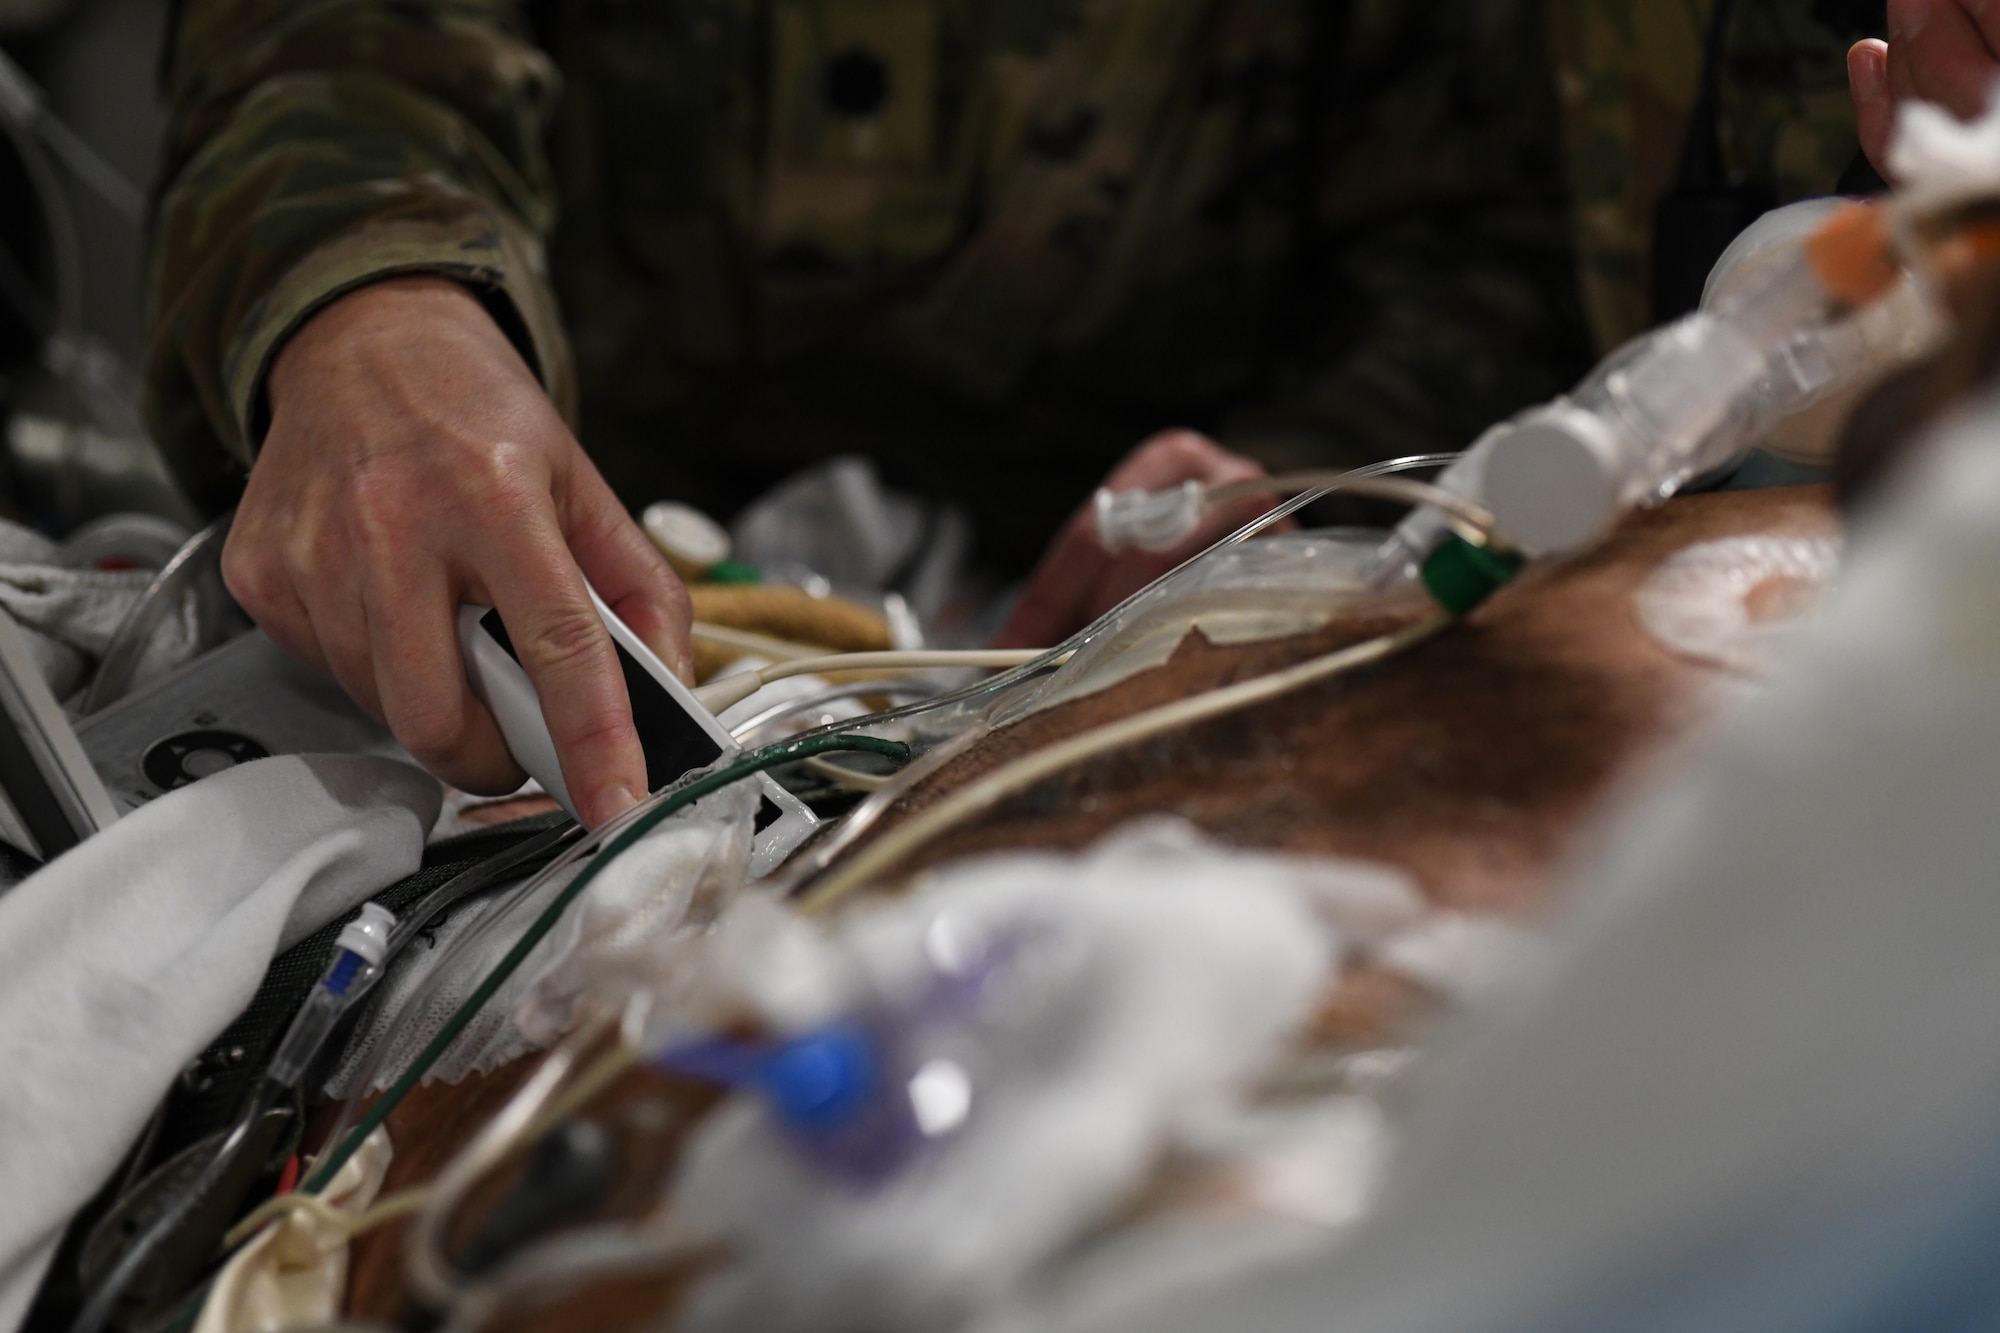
414, 463
1942, 51
1077, 580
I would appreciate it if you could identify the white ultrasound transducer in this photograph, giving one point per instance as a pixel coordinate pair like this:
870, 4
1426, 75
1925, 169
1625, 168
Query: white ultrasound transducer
676, 732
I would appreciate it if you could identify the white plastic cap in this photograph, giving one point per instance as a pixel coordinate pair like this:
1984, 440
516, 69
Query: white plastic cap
368, 933
1553, 481
692, 542
1149, 520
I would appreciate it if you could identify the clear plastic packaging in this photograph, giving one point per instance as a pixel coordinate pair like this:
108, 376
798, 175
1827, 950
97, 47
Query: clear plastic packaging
673, 882
1149, 520
421, 995
1290, 583
1040, 1025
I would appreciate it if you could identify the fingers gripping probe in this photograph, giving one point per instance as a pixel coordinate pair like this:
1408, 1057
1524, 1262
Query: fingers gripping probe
676, 732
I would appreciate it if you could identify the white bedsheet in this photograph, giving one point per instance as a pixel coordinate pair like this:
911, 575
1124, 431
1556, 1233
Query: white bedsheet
121, 960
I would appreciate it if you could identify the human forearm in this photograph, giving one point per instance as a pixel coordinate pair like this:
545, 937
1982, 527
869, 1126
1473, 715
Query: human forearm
317, 147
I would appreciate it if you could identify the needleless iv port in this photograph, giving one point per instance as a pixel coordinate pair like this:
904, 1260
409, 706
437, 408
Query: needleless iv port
1552, 480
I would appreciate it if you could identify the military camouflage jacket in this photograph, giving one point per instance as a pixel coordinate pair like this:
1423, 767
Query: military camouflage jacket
988, 242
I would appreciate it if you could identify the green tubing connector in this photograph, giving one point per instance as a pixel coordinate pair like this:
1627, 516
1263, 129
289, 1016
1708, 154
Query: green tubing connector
1460, 575
733, 571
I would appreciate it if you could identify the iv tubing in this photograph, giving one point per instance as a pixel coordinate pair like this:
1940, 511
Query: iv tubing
65, 249
727, 691
614, 839
790, 708
749, 641
432, 1277
865, 816
852, 779
1008, 679
980, 796
1347, 483
419, 918
1186, 710
23, 105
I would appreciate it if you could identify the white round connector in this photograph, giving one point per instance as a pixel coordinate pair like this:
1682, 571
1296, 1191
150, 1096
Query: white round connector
1552, 481
368, 933
1149, 520
692, 542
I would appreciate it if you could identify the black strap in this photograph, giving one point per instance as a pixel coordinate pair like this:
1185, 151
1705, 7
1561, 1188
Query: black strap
1695, 221
211, 1091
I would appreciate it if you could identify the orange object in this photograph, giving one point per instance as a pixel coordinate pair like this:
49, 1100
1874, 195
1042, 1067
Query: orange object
1852, 254
1972, 245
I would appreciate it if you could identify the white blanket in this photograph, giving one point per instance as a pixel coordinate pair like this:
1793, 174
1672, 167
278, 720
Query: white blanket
121, 960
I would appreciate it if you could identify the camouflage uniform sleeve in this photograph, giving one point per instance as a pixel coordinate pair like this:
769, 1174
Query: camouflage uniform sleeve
1441, 263
1628, 73
318, 145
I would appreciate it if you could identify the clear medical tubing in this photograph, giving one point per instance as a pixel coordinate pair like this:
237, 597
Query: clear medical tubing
814, 860
995, 686
1664, 408
613, 838
357, 961
1695, 394
784, 712
442, 970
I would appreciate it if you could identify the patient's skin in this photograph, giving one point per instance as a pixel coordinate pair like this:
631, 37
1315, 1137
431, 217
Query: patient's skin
414, 462
1942, 51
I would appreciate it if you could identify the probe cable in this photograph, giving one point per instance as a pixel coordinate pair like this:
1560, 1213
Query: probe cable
727, 691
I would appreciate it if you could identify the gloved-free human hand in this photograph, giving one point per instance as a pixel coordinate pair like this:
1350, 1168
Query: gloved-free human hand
1942, 51
1077, 580
414, 463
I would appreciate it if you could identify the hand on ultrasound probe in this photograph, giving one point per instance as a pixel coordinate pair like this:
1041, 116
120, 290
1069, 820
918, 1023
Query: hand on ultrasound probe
1942, 51
1077, 580
414, 463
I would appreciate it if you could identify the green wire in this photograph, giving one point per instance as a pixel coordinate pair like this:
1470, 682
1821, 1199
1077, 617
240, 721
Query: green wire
771, 756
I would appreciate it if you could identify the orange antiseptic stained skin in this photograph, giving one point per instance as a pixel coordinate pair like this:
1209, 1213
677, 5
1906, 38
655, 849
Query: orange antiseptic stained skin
1472, 762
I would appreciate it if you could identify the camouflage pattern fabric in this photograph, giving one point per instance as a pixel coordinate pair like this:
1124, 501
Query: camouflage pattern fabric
1627, 73
990, 243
